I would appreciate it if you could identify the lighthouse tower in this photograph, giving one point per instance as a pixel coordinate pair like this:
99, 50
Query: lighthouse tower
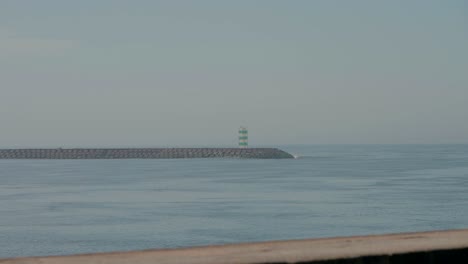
243, 137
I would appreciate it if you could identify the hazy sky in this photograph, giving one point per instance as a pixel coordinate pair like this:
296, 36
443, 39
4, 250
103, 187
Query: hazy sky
175, 73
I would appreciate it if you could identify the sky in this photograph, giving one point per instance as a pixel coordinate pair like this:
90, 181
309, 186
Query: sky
189, 73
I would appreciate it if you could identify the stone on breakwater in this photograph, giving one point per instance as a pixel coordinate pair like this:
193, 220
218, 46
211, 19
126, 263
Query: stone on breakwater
145, 153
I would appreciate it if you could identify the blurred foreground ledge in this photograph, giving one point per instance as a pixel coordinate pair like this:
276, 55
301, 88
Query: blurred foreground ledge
424, 247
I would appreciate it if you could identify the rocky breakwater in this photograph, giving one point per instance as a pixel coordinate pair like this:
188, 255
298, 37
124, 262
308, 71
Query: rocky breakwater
144, 153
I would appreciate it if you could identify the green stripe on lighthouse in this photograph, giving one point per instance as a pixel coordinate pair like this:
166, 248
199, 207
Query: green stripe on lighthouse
243, 137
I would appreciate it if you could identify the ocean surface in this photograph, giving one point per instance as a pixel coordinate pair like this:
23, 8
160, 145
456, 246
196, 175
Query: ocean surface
57, 207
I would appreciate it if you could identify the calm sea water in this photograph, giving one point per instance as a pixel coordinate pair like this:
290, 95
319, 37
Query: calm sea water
55, 207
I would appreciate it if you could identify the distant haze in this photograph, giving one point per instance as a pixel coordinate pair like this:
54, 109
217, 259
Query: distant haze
179, 73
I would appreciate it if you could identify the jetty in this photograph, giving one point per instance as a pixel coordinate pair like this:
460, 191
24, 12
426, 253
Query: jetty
242, 152
144, 153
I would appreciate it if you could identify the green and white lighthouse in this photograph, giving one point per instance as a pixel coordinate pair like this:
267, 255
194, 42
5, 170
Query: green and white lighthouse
243, 137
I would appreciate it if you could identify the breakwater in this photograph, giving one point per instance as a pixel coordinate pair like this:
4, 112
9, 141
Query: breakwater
144, 153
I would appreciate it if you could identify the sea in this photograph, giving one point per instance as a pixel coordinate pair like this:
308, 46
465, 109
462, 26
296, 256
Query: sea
59, 207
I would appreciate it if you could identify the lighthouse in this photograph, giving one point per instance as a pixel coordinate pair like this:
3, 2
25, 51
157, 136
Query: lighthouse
243, 137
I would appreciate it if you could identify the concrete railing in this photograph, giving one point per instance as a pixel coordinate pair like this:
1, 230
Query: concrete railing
426, 247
